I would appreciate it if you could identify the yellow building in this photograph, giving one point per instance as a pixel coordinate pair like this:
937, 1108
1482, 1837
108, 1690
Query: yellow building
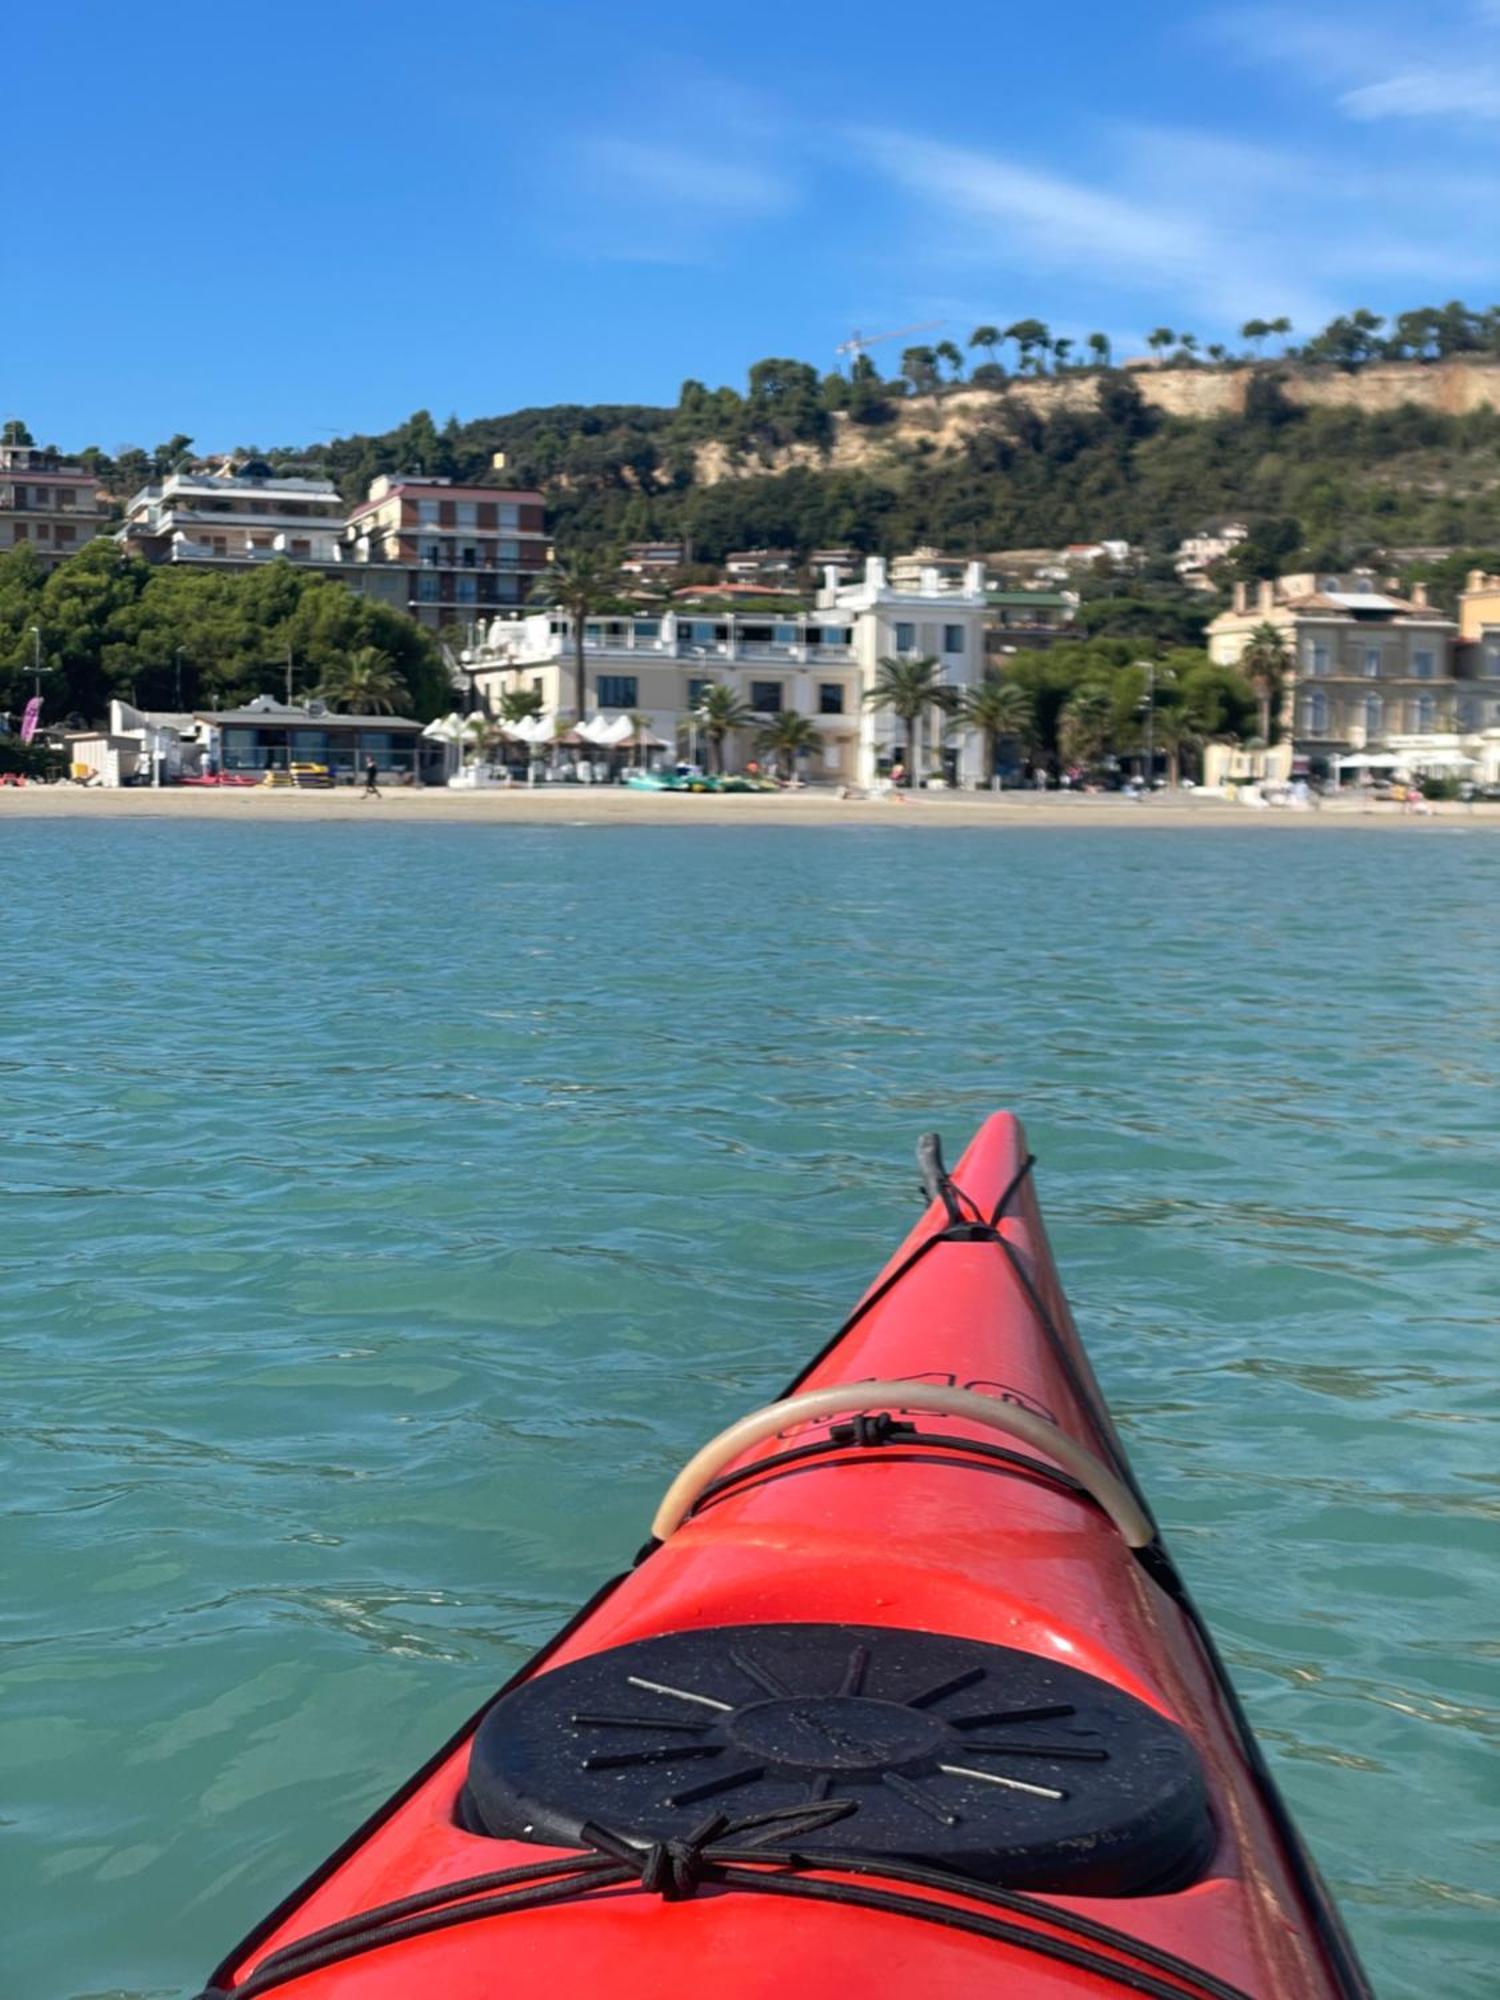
1366, 665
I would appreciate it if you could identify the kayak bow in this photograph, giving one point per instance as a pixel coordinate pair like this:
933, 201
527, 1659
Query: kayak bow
904, 1686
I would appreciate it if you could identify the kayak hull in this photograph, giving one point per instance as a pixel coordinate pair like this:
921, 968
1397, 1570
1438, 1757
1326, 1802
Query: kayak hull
914, 1539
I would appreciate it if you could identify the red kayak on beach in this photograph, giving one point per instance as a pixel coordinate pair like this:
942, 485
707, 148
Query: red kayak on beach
903, 1696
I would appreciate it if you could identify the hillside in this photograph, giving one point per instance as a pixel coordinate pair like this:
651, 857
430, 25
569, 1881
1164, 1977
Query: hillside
1334, 464
1368, 437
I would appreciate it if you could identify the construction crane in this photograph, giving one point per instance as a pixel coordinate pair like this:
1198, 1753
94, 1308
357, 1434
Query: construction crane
857, 342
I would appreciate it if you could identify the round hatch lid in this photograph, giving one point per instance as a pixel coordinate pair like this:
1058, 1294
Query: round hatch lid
983, 1759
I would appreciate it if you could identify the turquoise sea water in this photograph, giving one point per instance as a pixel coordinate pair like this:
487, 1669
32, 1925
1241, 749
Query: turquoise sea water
385, 1212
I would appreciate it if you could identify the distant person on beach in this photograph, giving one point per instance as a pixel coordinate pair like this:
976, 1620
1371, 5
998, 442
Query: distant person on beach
372, 779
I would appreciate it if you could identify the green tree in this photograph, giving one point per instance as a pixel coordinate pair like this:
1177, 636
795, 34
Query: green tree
908, 688
1266, 664
1255, 331
987, 337
1087, 725
519, 704
581, 582
1061, 349
1098, 345
1001, 711
1033, 338
919, 366
1159, 340
13, 431
946, 351
1280, 327
720, 711
789, 736
364, 683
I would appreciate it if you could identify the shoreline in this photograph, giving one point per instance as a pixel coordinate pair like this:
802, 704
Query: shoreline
614, 805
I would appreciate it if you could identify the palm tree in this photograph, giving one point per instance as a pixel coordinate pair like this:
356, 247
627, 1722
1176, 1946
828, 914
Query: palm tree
1255, 331
998, 709
1280, 327
946, 351
1217, 351
720, 710
1061, 349
1086, 724
788, 737
987, 337
908, 688
482, 730
364, 682
520, 704
581, 582
1265, 663
1159, 340
1099, 348
1187, 344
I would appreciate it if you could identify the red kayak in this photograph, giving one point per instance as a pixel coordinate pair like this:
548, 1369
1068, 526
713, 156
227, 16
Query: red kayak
903, 1696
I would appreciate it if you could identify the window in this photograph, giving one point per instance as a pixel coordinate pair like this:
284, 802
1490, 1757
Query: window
906, 638
468, 514
1315, 656
432, 552
617, 690
830, 698
1315, 713
1492, 662
1374, 715
1468, 712
538, 686
510, 551
696, 690
1422, 666
837, 635
510, 516
469, 556
648, 628
467, 591
427, 513
765, 697
785, 635
427, 587
1372, 663
1423, 714
953, 638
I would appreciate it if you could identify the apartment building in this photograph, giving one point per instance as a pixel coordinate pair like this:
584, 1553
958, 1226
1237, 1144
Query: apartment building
445, 553
653, 562
767, 569
819, 663
906, 572
228, 520
1023, 620
53, 506
1370, 669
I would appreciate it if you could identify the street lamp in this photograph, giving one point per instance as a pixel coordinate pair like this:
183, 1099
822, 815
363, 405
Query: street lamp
1148, 703
36, 660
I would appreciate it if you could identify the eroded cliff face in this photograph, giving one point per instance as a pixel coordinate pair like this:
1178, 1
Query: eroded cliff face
1452, 388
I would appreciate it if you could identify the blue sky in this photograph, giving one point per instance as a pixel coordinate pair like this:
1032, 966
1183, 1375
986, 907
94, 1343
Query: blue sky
272, 223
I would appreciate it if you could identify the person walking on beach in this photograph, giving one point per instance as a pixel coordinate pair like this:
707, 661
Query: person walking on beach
372, 779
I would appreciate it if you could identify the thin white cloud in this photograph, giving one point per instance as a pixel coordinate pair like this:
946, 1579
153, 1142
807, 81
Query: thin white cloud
1427, 93
683, 177
1372, 66
1025, 219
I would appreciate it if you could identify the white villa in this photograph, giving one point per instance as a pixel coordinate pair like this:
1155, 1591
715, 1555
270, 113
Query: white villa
819, 663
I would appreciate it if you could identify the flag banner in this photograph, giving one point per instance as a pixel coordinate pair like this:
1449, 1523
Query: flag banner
31, 718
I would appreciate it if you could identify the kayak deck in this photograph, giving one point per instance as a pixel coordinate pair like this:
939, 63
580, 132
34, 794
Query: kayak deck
894, 1701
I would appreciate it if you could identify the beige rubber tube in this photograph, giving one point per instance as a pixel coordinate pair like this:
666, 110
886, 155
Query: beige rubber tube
847, 1398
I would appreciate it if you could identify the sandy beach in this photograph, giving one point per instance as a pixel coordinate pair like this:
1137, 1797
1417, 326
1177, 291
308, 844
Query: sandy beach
613, 805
